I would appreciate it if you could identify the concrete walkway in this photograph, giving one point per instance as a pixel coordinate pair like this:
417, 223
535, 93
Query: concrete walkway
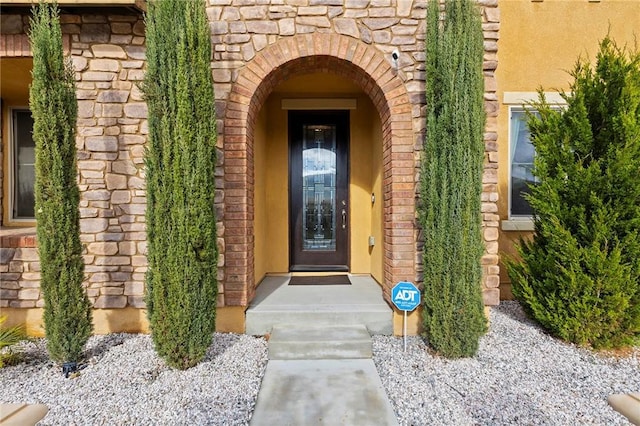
320, 370
322, 392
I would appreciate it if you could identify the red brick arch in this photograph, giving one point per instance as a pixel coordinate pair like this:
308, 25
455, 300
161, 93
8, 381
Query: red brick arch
365, 66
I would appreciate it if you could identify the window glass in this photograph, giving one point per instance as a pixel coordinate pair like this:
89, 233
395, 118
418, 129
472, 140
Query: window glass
24, 158
522, 153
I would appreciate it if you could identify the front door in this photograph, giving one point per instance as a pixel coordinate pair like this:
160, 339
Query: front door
319, 192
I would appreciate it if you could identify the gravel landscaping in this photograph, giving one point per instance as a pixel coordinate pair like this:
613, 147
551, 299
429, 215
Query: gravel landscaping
519, 376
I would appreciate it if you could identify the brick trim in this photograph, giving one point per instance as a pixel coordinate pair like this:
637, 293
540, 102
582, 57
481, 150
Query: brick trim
367, 67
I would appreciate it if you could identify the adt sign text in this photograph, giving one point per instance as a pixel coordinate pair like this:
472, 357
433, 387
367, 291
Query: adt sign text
405, 296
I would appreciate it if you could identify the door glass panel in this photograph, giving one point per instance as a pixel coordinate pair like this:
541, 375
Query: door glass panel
319, 187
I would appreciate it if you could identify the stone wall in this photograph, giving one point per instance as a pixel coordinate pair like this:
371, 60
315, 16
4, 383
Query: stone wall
108, 55
243, 29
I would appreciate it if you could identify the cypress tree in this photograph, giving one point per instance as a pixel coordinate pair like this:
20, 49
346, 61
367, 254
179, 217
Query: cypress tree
180, 170
580, 274
67, 310
451, 179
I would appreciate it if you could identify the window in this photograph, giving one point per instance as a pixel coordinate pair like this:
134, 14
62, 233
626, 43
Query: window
23, 157
521, 155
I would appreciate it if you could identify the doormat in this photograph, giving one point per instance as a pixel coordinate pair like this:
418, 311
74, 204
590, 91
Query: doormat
320, 280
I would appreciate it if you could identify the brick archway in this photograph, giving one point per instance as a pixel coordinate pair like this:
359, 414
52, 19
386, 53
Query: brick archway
367, 67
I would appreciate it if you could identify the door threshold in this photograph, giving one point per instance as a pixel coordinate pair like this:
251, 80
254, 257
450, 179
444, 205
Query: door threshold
319, 268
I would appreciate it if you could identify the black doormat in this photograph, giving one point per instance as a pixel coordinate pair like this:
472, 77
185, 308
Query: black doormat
320, 280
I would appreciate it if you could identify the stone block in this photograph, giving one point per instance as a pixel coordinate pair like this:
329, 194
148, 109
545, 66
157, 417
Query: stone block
79, 64
112, 260
111, 291
103, 248
136, 183
93, 225
127, 248
110, 302
31, 276
96, 195
98, 76
346, 26
112, 111
99, 277
264, 27
114, 181
137, 302
108, 51
26, 254
22, 304
136, 52
109, 65
491, 296
101, 143
9, 285
136, 110
139, 28
134, 288
380, 23
492, 281
11, 276
121, 27
124, 167
120, 197
8, 294
6, 255
490, 234
29, 294
139, 261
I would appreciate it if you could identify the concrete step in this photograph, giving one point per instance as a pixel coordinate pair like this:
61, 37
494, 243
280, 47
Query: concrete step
334, 342
360, 303
376, 320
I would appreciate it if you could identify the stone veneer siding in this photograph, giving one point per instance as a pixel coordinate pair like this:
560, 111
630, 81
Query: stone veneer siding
108, 55
257, 44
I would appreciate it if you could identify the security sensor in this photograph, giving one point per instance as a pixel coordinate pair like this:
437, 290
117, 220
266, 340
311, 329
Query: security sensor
395, 55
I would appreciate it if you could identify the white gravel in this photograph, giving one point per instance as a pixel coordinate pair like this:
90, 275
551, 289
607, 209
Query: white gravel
125, 383
520, 376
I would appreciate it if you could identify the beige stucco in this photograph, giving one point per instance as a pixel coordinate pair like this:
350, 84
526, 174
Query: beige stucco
539, 44
126, 320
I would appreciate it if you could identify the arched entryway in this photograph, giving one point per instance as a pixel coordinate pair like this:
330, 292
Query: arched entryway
340, 57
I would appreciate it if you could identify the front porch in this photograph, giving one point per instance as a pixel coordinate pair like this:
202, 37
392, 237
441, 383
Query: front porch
277, 303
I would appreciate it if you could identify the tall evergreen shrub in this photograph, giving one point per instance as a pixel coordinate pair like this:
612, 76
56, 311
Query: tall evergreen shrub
180, 170
451, 179
580, 274
67, 310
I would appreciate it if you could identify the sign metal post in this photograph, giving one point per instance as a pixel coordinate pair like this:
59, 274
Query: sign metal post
406, 297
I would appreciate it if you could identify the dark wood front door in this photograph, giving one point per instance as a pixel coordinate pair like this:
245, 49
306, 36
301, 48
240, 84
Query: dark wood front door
319, 192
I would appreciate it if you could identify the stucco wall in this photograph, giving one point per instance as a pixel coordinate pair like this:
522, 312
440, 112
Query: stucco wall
539, 44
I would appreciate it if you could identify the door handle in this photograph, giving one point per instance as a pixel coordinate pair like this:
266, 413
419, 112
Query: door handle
344, 219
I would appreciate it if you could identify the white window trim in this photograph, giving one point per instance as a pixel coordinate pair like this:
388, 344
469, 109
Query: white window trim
518, 101
12, 170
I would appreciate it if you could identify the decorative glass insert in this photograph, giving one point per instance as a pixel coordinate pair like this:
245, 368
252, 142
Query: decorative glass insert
24, 158
522, 153
319, 187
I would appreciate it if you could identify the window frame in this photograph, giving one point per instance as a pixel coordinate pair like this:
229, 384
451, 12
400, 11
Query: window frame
520, 101
511, 216
11, 168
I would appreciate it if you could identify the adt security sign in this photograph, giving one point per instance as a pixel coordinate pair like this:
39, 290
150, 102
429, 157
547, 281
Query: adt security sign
405, 296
